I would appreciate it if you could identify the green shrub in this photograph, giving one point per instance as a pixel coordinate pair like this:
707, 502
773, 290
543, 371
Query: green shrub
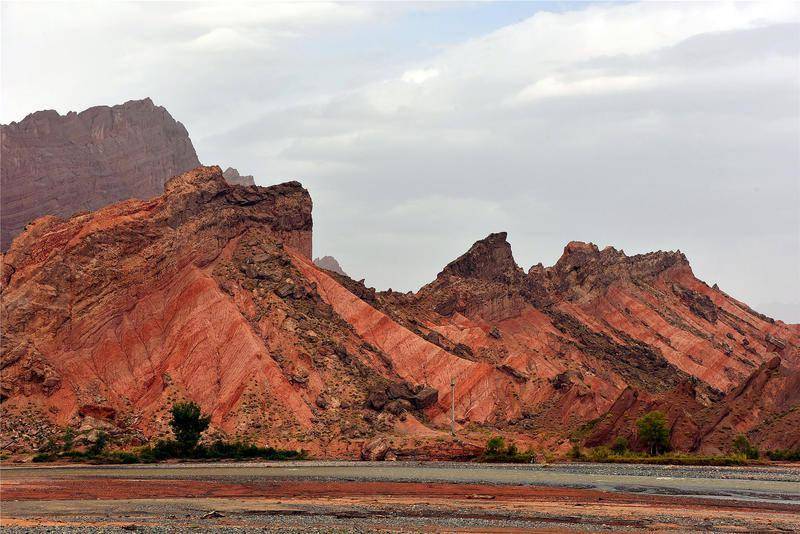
146, 455
786, 455
188, 424
495, 445
168, 448
620, 445
743, 446
69, 439
99, 445
653, 432
600, 454
119, 457
242, 450
575, 453
51, 445
497, 452
165, 449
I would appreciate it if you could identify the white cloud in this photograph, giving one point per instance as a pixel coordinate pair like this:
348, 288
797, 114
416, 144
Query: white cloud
552, 87
295, 15
419, 76
222, 40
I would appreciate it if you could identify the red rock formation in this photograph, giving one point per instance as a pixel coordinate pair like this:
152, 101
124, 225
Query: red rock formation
209, 293
60, 165
133, 304
585, 337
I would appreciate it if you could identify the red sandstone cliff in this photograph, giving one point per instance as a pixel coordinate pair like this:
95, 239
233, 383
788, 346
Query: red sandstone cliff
209, 293
59, 165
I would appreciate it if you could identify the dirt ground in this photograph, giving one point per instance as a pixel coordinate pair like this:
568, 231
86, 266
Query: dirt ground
37, 500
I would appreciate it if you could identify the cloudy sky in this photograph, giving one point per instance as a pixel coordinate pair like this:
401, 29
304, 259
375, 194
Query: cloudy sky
420, 128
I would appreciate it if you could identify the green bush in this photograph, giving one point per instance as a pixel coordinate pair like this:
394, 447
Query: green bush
168, 448
146, 455
781, 455
99, 445
119, 457
497, 452
620, 445
600, 454
68, 438
743, 446
495, 445
654, 432
575, 453
51, 445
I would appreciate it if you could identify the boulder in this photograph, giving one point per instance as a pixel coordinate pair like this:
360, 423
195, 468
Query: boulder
375, 450
427, 396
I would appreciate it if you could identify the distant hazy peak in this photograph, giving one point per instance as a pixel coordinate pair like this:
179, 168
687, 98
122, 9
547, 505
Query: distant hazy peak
329, 263
233, 177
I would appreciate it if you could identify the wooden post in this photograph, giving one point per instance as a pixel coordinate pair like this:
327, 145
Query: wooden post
453, 405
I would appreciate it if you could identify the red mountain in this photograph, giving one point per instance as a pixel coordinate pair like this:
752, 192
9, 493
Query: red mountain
209, 293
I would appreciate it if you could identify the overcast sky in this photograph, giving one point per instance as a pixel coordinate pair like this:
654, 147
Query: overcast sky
420, 128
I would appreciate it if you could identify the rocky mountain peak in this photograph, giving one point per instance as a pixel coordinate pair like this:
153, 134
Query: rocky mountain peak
578, 254
579, 247
488, 259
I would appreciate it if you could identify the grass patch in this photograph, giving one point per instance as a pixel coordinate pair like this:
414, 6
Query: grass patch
780, 455
170, 449
605, 455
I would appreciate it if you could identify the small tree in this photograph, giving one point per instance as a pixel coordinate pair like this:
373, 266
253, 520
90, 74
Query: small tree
69, 439
188, 424
100, 444
653, 432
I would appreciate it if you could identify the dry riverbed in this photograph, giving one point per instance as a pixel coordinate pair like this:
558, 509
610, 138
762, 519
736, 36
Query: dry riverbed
399, 497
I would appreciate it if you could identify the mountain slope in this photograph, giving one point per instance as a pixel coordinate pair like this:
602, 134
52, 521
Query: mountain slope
208, 292
586, 337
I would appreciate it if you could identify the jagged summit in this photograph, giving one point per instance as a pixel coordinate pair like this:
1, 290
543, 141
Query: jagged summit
489, 259
587, 257
145, 103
